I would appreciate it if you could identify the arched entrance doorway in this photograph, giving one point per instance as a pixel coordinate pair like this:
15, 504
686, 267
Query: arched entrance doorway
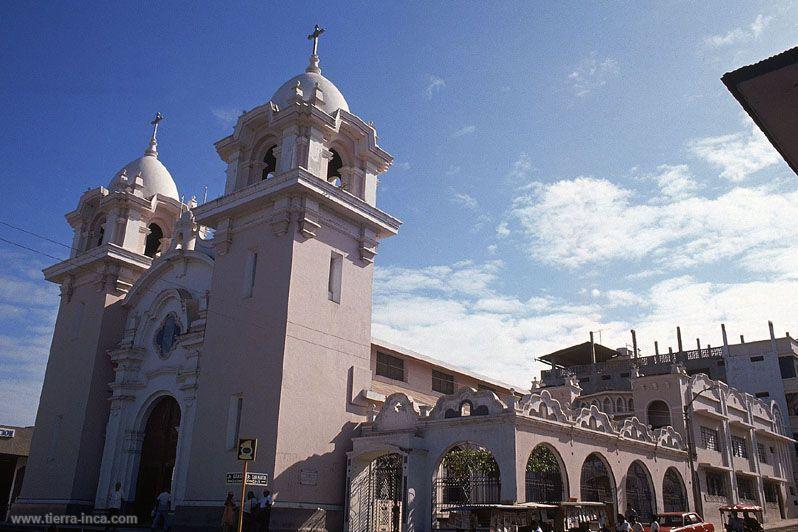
596, 482
158, 453
674, 495
376, 496
639, 493
467, 474
544, 476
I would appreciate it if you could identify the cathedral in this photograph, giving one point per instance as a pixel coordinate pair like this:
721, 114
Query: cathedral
184, 327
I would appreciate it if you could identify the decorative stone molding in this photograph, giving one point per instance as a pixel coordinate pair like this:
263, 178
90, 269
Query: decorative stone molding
594, 419
543, 405
478, 403
634, 429
397, 413
669, 438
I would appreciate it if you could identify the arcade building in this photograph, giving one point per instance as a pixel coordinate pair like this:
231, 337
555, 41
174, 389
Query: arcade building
183, 327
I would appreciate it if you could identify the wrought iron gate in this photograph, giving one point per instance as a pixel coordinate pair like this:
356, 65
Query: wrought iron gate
376, 496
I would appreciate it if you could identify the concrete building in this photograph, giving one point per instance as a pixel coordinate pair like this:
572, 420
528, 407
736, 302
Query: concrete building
635, 457
14, 450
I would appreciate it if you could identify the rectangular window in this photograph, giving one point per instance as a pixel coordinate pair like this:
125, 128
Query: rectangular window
760, 452
334, 280
709, 439
762, 395
787, 367
757, 359
234, 412
77, 319
745, 488
390, 366
716, 484
250, 267
606, 377
739, 449
55, 436
583, 380
442, 382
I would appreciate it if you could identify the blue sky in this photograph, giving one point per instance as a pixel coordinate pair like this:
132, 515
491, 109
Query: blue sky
560, 168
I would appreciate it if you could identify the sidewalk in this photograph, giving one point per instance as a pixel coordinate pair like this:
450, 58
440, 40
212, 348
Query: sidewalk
788, 525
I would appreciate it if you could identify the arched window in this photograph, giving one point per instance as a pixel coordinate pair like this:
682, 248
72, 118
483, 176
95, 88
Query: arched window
639, 493
674, 495
153, 242
596, 482
619, 406
166, 337
269, 164
607, 405
465, 408
334, 169
96, 233
631, 405
659, 415
544, 476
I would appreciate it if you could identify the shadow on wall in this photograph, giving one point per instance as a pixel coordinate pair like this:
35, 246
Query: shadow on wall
315, 475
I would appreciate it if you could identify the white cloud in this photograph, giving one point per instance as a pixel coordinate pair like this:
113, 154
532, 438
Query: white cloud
227, 116
434, 85
738, 155
521, 169
466, 200
740, 34
467, 130
585, 221
592, 73
674, 181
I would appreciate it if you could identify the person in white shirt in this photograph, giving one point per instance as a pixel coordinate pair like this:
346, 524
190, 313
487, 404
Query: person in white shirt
636, 526
623, 524
114, 505
162, 507
264, 512
536, 527
654, 525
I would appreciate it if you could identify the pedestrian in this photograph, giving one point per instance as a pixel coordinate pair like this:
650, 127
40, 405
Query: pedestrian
250, 512
623, 524
654, 525
636, 526
163, 503
229, 513
265, 511
536, 527
114, 506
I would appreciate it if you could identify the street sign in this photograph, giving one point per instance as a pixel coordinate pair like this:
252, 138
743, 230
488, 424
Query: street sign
6, 432
247, 448
253, 479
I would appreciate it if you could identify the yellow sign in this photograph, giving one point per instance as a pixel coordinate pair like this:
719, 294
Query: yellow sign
247, 448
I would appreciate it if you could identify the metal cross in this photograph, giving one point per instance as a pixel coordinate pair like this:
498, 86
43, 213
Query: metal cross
155, 121
317, 31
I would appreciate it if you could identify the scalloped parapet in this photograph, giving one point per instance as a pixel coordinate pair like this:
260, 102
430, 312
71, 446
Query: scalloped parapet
543, 405
634, 429
477, 403
397, 413
668, 437
594, 419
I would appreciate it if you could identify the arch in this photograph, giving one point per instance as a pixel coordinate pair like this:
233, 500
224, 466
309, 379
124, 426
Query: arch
596, 481
631, 405
639, 492
607, 405
659, 414
334, 168
153, 242
269, 163
376, 495
466, 474
96, 232
545, 475
158, 452
619, 405
674, 493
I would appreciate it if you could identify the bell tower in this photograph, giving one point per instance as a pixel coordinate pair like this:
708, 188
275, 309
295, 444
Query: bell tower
117, 232
288, 332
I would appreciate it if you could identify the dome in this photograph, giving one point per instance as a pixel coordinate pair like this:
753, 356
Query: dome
333, 99
157, 179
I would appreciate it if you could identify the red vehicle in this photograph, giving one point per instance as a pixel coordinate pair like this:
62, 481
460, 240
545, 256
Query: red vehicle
682, 522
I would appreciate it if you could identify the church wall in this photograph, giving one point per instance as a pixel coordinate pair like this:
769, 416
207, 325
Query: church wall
67, 444
242, 354
324, 340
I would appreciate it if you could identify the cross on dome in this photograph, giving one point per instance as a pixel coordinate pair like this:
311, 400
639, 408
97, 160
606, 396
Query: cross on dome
313, 65
152, 149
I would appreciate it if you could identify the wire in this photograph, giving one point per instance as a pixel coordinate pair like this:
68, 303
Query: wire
29, 249
35, 234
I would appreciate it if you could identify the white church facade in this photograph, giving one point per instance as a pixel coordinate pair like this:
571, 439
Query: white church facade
183, 327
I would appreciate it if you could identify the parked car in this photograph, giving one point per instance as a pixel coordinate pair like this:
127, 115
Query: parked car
682, 522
